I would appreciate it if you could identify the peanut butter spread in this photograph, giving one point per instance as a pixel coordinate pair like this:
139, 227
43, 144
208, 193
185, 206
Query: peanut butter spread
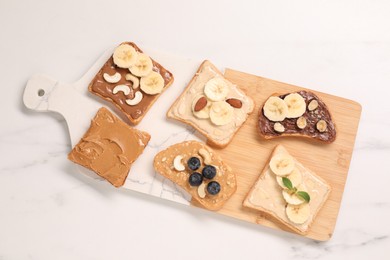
164, 164
109, 147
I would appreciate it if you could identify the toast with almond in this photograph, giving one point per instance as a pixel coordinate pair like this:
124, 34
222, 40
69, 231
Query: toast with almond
214, 106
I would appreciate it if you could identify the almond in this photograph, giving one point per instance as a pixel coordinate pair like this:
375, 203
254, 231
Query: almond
200, 104
236, 103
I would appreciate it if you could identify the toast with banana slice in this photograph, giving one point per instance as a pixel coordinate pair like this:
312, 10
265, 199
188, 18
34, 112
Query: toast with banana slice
200, 171
131, 80
300, 113
288, 192
212, 105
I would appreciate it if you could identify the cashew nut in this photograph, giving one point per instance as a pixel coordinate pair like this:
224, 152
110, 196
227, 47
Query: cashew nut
178, 164
133, 79
201, 190
137, 98
112, 78
205, 155
124, 88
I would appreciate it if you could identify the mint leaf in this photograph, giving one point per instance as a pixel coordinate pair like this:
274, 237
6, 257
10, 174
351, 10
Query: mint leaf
287, 183
303, 195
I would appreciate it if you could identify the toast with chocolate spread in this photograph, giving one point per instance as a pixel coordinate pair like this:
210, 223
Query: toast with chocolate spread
300, 113
131, 80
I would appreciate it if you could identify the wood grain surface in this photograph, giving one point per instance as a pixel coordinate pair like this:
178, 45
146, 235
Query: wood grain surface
248, 153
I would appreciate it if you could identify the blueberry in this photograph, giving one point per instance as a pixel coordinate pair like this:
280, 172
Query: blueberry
195, 179
213, 188
209, 172
193, 163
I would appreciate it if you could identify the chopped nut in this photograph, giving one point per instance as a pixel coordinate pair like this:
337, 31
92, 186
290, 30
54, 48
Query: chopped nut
313, 105
301, 122
321, 126
278, 127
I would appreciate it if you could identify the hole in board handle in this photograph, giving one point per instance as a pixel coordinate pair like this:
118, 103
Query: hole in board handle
41, 92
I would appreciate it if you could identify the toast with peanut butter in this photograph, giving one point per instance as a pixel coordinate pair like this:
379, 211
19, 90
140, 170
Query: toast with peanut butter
288, 192
214, 106
109, 147
200, 171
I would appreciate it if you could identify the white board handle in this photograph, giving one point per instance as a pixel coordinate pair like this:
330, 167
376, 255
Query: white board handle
37, 92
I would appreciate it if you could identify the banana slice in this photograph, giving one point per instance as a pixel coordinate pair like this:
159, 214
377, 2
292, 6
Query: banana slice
142, 66
295, 177
124, 56
204, 112
275, 109
216, 89
152, 84
282, 164
296, 105
221, 113
298, 213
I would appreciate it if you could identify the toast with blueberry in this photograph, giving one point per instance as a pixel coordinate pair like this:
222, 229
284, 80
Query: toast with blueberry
200, 171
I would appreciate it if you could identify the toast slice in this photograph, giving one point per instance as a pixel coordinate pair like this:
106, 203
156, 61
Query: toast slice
109, 147
270, 195
212, 105
131, 98
196, 176
301, 114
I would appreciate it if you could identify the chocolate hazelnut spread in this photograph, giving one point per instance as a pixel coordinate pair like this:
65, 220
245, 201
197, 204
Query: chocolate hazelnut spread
109, 147
266, 127
104, 89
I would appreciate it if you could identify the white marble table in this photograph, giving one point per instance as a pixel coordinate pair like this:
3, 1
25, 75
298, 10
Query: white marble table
47, 211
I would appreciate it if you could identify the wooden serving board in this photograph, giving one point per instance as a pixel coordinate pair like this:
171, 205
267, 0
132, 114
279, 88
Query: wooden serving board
248, 153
